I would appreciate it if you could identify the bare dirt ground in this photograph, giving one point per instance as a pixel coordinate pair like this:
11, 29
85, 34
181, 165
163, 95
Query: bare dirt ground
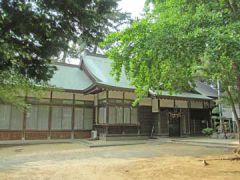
146, 161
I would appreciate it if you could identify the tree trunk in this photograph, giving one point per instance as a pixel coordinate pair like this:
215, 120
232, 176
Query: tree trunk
236, 70
234, 113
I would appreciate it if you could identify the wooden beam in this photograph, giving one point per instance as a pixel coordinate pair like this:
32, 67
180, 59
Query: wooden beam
24, 119
107, 106
50, 116
73, 117
123, 112
83, 116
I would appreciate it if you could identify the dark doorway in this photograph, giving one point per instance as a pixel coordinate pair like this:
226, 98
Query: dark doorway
200, 119
174, 126
145, 119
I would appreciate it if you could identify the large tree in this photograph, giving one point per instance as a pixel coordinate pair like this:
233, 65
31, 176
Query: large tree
178, 41
35, 32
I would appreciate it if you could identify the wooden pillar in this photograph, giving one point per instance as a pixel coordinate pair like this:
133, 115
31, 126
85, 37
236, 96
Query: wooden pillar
194, 127
50, 116
98, 109
229, 124
95, 113
189, 118
123, 112
210, 115
139, 122
159, 118
24, 119
73, 117
188, 122
83, 116
107, 107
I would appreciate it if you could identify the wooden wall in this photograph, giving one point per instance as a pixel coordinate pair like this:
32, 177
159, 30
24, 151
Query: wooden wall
57, 115
161, 122
146, 120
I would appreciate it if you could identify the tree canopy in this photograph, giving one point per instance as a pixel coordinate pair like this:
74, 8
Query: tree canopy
177, 41
35, 32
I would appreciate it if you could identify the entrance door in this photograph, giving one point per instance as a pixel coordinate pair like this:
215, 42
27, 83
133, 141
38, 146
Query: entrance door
174, 126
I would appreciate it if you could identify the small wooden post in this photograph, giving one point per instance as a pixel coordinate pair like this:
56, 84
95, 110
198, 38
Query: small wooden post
24, 120
50, 116
107, 107
73, 117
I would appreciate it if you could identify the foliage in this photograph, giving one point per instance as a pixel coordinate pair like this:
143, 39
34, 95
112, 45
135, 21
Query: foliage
177, 42
35, 32
14, 87
207, 131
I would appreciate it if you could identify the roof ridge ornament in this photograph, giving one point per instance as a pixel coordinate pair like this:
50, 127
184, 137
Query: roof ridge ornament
81, 62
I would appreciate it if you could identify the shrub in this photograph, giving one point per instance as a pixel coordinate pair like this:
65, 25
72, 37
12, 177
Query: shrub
207, 131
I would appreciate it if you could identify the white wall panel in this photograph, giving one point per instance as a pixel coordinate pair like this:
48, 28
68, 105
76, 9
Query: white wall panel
155, 107
32, 117
43, 114
16, 118
62, 95
84, 97
112, 115
67, 118
78, 124
197, 104
56, 118
102, 115
119, 115
134, 116
130, 95
166, 103
5, 113
181, 104
127, 115
88, 118
146, 102
115, 94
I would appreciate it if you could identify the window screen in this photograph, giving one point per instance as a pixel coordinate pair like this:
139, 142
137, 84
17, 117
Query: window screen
119, 115
102, 115
134, 115
61, 118
37, 117
112, 115
127, 115
88, 118
5, 115
78, 118
66, 118
16, 118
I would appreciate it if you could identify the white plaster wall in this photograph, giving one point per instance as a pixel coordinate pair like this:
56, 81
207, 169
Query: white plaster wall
166, 103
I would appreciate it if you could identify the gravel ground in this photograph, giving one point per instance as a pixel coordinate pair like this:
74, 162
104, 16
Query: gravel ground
76, 161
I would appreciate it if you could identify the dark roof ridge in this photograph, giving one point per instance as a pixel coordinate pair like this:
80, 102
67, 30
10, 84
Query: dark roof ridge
88, 53
65, 64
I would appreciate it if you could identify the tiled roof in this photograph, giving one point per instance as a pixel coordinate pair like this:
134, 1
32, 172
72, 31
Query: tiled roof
70, 77
95, 70
100, 68
205, 89
183, 95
